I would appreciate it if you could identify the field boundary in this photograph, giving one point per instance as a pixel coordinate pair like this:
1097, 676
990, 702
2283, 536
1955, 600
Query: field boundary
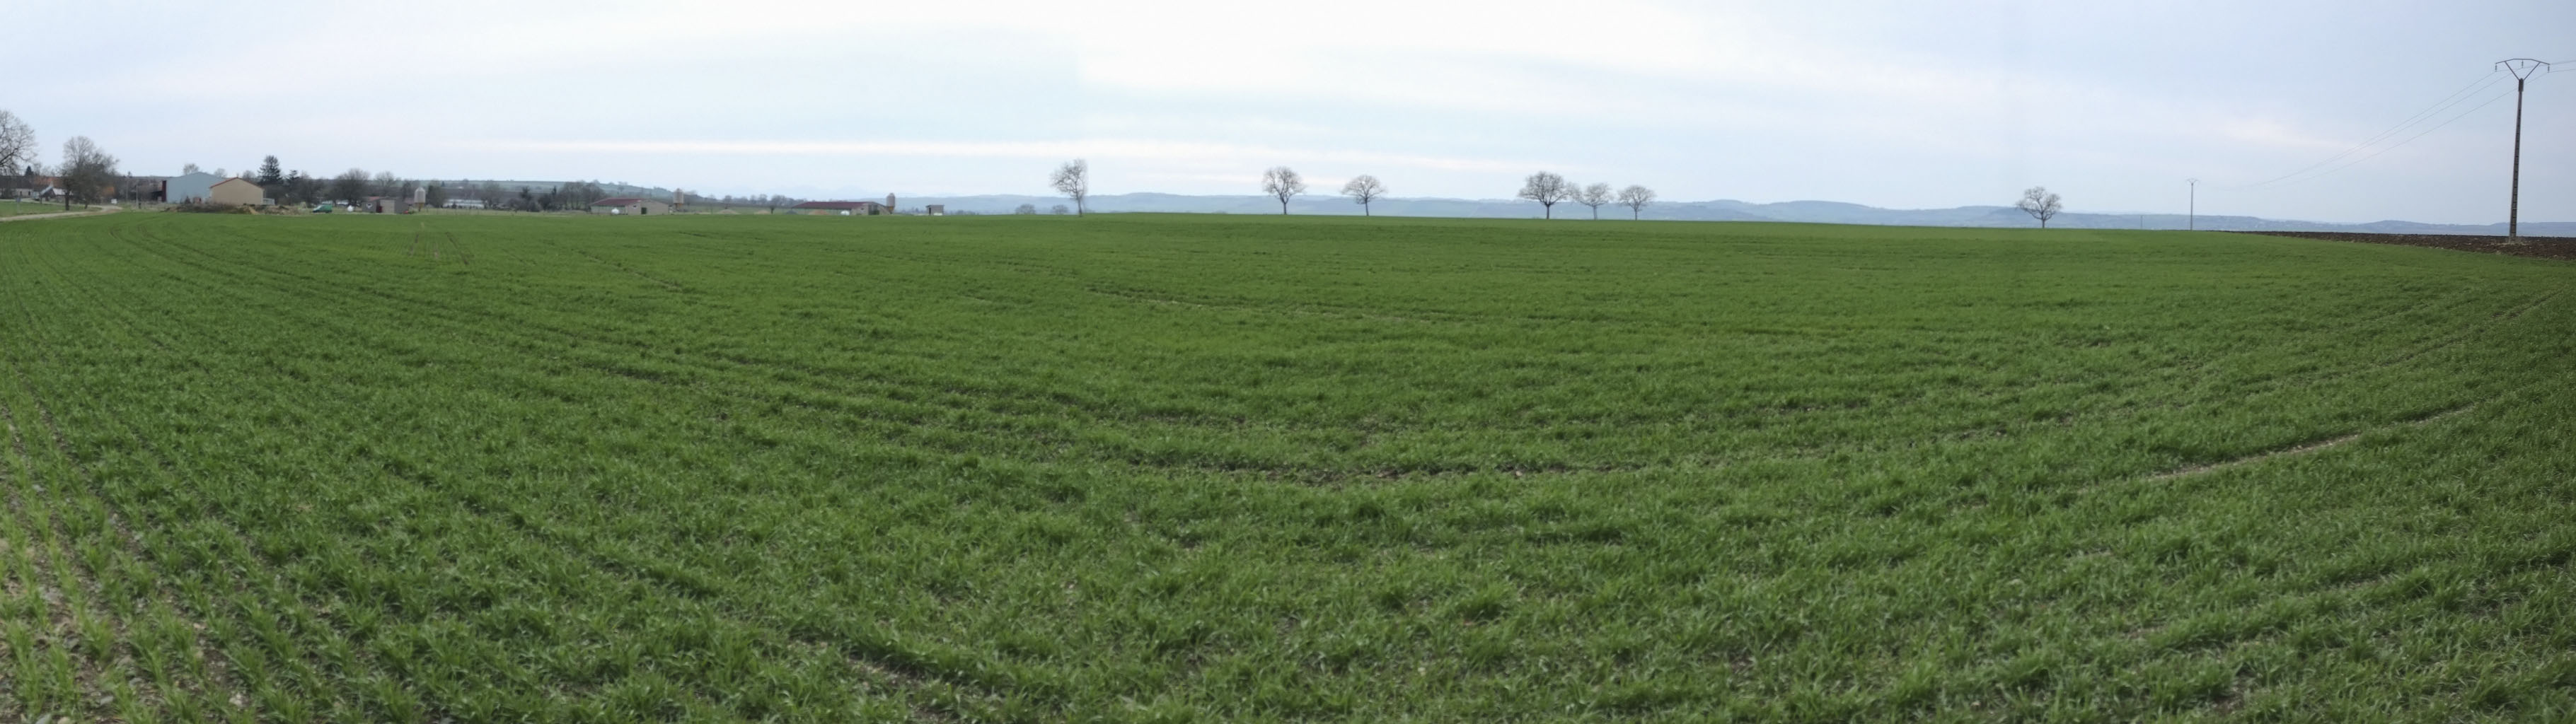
2529, 247
92, 211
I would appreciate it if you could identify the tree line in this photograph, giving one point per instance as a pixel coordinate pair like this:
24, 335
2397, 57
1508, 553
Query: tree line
88, 174
1073, 180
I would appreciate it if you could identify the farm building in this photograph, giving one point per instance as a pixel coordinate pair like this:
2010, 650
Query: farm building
37, 187
236, 192
630, 205
842, 208
188, 187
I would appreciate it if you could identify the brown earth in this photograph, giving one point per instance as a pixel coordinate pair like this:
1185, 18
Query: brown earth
2542, 247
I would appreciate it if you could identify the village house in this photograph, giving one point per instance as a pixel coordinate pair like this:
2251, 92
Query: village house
624, 205
36, 187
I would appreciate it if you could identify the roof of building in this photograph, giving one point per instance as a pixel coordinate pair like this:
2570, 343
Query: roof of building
231, 180
617, 201
836, 205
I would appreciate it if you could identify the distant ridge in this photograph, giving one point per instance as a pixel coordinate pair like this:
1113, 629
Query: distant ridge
1815, 212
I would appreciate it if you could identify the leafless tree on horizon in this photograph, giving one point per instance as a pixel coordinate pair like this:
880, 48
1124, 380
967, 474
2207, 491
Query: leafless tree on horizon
1364, 189
1282, 183
1594, 196
1636, 198
1546, 188
2039, 204
1073, 179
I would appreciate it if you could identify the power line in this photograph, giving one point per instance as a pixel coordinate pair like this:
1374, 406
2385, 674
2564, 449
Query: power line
2409, 139
2464, 93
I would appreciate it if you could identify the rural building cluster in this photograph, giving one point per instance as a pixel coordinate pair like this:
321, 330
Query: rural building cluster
89, 175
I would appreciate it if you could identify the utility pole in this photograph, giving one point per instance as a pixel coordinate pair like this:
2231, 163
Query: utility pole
2192, 219
2522, 70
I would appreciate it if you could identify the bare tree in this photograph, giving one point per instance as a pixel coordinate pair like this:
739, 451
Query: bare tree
189, 168
1026, 210
1364, 188
17, 143
1594, 196
1282, 183
1636, 198
350, 186
1059, 210
2039, 204
1547, 189
1073, 179
89, 174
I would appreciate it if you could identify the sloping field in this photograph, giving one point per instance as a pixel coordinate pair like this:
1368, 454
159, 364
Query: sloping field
1213, 469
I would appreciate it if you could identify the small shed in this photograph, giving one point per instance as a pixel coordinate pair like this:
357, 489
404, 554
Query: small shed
625, 205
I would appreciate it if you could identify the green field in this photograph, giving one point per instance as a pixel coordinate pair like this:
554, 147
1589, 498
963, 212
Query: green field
1167, 469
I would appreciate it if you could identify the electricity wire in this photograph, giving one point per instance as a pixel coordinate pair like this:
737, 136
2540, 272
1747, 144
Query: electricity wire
2409, 139
2464, 93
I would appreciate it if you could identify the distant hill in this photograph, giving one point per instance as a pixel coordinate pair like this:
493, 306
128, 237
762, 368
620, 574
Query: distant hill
1817, 212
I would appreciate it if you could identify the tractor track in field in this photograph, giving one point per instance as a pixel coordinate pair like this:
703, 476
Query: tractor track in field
1334, 313
2472, 329
2463, 334
1314, 475
365, 656
666, 283
642, 570
2318, 445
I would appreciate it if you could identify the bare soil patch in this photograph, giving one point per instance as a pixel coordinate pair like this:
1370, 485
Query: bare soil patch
2541, 247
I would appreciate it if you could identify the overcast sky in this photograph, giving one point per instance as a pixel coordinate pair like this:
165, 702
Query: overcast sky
1893, 104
